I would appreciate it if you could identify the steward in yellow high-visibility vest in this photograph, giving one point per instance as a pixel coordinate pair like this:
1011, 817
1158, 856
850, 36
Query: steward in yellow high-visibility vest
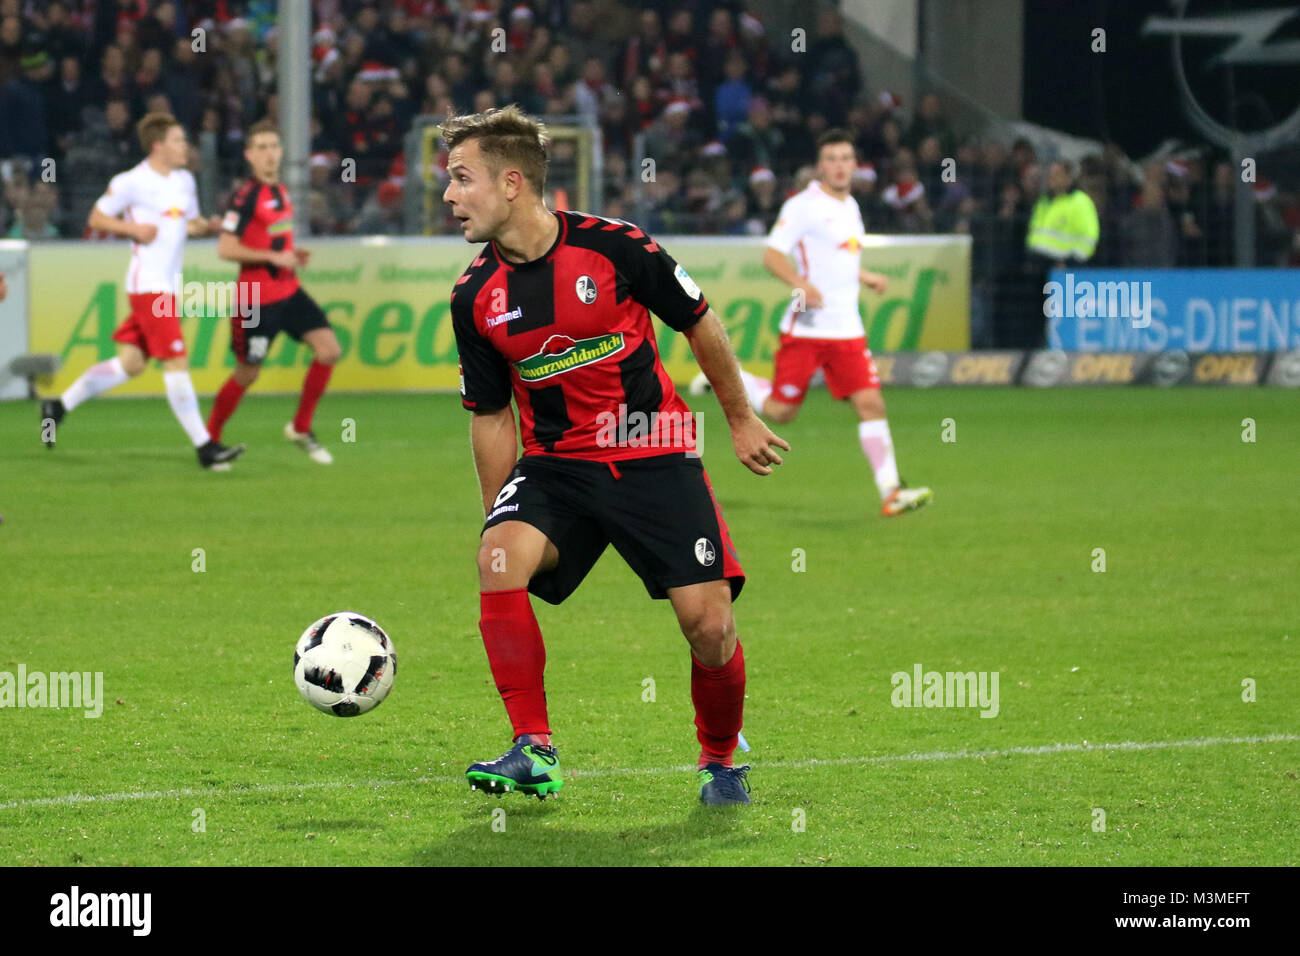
1063, 227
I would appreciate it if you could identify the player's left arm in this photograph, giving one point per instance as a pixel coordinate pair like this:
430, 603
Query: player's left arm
667, 290
754, 442
875, 281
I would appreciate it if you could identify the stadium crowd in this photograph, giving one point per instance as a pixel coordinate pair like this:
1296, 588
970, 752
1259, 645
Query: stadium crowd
727, 115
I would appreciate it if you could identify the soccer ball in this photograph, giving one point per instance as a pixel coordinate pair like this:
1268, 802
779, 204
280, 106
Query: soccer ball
344, 664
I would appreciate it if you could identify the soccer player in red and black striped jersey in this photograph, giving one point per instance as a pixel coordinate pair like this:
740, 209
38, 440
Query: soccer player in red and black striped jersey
257, 232
554, 313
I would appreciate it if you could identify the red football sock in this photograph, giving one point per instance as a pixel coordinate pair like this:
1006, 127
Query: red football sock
517, 656
223, 406
719, 697
313, 387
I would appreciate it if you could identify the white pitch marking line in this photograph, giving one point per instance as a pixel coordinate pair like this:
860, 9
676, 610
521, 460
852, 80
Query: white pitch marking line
75, 799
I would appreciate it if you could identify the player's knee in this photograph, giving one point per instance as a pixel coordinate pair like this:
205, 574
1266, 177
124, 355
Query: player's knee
711, 633
869, 404
500, 566
328, 354
246, 375
133, 365
781, 414
870, 410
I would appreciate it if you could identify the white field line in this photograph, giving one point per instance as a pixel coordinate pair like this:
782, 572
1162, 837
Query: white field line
76, 799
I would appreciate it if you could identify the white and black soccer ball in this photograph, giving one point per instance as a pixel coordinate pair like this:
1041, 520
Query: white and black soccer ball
344, 664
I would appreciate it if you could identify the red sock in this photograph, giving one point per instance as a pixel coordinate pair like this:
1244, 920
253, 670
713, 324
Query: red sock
517, 656
313, 387
224, 406
719, 697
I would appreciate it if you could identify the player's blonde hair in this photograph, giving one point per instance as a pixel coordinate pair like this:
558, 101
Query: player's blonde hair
153, 128
507, 137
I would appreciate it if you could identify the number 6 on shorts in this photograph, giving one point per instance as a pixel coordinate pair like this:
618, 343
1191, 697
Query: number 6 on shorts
507, 491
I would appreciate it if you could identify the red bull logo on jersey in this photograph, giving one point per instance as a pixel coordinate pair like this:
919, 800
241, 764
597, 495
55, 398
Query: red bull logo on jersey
851, 244
175, 212
562, 353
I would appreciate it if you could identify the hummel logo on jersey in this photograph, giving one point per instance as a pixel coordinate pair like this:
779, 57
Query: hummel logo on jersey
704, 552
560, 353
494, 320
586, 289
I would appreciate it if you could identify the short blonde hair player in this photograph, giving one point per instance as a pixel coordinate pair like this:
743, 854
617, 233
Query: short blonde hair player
553, 314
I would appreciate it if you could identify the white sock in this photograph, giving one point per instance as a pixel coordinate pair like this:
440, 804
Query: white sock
756, 389
94, 381
185, 405
878, 446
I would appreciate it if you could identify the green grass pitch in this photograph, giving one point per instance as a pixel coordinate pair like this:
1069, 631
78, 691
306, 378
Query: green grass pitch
205, 754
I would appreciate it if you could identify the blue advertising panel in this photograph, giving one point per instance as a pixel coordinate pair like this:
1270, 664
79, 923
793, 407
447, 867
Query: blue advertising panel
1158, 310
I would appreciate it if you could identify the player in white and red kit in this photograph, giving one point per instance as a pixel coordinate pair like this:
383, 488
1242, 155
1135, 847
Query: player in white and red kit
822, 329
155, 205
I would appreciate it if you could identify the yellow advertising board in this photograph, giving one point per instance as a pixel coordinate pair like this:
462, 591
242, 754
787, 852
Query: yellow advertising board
388, 300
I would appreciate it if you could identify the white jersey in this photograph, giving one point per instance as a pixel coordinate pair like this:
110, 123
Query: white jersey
824, 234
142, 194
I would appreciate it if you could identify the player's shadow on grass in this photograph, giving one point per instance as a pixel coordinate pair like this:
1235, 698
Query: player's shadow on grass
538, 835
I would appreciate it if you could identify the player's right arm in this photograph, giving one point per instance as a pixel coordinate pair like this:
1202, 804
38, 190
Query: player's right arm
238, 215
232, 250
106, 215
781, 241
492, 437
485, 390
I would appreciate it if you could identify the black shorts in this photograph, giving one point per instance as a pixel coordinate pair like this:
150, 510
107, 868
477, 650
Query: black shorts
658, 512
296, 316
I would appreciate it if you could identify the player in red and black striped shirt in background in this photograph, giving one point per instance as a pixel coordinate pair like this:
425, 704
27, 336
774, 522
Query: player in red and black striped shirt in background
554, 312
257, 232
